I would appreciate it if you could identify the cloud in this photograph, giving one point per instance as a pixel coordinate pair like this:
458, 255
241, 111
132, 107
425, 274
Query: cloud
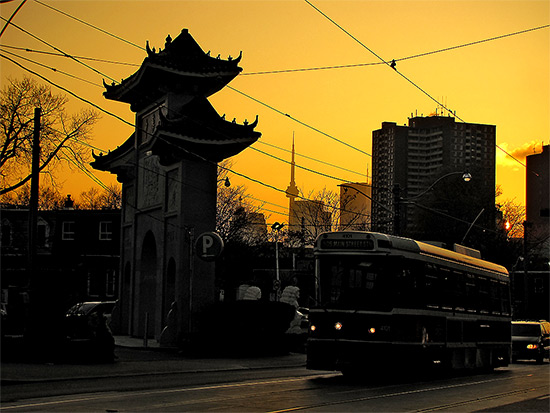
518, 153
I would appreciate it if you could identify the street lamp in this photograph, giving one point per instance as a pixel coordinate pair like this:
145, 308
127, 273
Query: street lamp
277, 227
226, 181
466, 177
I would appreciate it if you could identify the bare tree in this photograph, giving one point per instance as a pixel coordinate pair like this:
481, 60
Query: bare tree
61, 135
49, 198
312, 215
513, 217
108, 198
322, 211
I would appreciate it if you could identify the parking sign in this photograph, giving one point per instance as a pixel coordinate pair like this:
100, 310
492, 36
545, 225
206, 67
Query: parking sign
209, 246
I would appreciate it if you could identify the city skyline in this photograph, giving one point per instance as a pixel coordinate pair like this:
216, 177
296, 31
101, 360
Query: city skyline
509, 90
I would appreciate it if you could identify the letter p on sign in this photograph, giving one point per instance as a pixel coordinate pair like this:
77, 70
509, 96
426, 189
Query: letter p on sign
209, 246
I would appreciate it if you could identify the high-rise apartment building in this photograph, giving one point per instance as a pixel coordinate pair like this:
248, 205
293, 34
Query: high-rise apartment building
418, 186
537, 225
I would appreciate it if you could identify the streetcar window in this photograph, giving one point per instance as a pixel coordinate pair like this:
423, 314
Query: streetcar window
459, 291
483, 291
495, 296
432, 292
447, 287
471, 293
505, 298
356, 283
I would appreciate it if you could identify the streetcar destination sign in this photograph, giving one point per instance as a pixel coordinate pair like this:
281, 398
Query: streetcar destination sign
345, 244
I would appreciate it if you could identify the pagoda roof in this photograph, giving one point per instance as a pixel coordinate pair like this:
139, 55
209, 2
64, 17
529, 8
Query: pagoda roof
196, 130
181, 67
118, 161
199, 130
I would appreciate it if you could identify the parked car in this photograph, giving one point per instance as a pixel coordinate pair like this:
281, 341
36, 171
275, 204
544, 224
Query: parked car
78, 317
530, 340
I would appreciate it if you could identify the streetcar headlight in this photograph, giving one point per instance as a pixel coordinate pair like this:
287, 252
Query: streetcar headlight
312, 327
338, 326
372, 330
532, 346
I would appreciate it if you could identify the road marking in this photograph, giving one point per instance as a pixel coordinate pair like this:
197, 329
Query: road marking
111, 395
402, 393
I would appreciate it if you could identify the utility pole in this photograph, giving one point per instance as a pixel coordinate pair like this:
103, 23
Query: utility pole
33, 203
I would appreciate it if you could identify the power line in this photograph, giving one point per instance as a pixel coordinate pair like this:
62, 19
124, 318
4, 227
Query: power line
51, 68
382, 61
130, 124
446, 49
405, 77
97, 180
299, 166
81, 98
298, 121
237, 91
88, 24
68, 91
268, 144
278, 111
304, 69
11, 17
94, 59
57, 49
171, 144
312, 159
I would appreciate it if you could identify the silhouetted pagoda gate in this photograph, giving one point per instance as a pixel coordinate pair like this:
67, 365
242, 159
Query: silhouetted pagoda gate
168, 171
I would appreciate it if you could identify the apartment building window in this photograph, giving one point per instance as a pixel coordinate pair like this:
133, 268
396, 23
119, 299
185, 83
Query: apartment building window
68, 231
105, 231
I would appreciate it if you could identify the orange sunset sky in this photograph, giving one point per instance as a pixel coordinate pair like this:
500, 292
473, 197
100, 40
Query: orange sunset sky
503, 81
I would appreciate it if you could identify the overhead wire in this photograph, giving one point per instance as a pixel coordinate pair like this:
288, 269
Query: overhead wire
53, 69
98, 107
382, 61
389, 64
88, 24
57, 54
253, 99
313, 159
242, 93
298, 121
57, 49
353, 65
191, 153
11, 17
303, 69
88, 102
264, 143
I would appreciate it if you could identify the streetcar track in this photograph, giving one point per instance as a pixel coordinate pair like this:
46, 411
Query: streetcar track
476, 400
275, 382
396, 394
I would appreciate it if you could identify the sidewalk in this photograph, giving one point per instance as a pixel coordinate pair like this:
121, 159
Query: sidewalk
136, 359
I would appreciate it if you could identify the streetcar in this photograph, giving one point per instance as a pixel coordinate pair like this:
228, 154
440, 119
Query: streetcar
386, 301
